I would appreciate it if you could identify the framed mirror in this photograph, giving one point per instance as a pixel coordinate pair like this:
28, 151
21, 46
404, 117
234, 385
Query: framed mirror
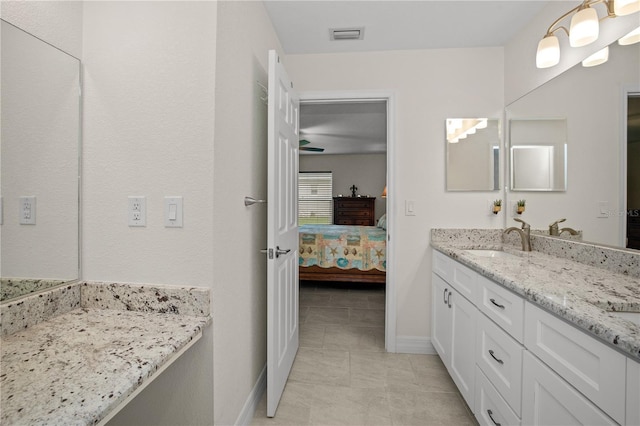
40, 164
538, 154
472, 154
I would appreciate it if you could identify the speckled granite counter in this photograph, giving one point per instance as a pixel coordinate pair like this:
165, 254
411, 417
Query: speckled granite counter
578, 292
83, 361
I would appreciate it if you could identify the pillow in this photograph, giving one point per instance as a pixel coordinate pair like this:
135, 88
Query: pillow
382, 222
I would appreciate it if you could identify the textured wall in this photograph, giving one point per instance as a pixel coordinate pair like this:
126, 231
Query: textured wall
148, 130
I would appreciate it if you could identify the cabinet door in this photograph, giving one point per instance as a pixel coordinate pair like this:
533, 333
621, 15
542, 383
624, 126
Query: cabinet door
463, 342
440, 318
548, 400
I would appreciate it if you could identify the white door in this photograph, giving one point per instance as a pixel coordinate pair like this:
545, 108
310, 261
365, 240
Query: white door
282, 233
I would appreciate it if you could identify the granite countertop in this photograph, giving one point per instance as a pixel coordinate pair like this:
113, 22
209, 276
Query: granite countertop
80, 366
582, 294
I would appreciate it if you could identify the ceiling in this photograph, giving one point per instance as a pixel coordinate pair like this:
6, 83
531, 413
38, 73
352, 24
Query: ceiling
303, 28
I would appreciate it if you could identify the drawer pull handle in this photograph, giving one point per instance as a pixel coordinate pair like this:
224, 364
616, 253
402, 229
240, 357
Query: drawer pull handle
498, 360
496, 303
490, 413
445, 295
449, 299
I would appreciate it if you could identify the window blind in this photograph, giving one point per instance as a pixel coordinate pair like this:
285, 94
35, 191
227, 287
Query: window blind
315, 198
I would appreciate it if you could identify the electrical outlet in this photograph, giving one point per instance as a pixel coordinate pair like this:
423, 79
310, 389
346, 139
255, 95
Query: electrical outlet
137, 212
27, 210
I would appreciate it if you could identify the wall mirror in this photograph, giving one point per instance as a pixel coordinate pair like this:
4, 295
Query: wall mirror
538, 154
472, 154
592, 101
40, 164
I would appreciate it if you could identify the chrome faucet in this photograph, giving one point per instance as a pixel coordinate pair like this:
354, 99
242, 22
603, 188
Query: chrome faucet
553, 228
569, 230
525, 233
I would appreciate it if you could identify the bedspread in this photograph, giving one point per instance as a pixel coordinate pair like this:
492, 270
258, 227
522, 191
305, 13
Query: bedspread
343, 246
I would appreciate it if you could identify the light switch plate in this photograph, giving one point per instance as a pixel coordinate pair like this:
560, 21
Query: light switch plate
603, 209
173, 212
410, 207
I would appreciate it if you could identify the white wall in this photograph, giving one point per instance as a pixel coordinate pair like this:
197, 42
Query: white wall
245, 35
429, 86
367, 171
149, 82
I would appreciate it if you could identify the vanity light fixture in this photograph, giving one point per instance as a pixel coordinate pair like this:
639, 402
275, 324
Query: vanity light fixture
631, 38
583, 30
600, 57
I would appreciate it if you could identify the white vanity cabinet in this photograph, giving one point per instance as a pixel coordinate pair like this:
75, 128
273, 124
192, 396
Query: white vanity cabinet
453, 335
515, 363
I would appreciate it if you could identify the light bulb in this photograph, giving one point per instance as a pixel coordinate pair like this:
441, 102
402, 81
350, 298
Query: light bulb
548, 52
600, 57
626, 7
584, 27
631, 38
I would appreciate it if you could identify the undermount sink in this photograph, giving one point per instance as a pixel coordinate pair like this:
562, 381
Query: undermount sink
490, 253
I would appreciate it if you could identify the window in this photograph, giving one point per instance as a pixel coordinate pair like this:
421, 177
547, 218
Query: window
315, 191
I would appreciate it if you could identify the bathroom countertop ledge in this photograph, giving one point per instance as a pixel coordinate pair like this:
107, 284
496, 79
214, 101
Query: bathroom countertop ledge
80, 366
580, 294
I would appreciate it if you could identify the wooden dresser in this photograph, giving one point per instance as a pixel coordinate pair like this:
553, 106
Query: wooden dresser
354, 211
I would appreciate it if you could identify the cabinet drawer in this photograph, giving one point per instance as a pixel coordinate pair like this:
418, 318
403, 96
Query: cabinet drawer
491, 409
442, 265
587, 364
352, 204
499, 356
353, 213
549, 400
504, 307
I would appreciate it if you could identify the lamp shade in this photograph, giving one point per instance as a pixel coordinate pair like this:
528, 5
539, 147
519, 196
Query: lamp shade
626, 7
631, 38
600, 57
548, 52
584, 27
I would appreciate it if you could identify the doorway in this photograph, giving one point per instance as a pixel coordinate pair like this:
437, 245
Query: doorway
315, 137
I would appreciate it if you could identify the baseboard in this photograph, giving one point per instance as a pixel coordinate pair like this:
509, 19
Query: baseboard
250, 405
414, 345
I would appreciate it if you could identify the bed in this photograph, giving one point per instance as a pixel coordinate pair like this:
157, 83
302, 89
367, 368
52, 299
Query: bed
342, 253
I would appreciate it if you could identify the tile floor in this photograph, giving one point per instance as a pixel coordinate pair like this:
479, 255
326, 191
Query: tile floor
343, 376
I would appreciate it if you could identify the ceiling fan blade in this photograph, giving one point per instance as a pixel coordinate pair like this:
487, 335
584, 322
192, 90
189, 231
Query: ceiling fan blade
310, 148
304, 142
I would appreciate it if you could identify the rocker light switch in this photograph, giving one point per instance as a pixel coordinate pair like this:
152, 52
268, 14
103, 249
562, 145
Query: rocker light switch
410, 208
173, 212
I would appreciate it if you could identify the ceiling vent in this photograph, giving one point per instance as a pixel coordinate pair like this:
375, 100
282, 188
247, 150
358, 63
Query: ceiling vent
346, 33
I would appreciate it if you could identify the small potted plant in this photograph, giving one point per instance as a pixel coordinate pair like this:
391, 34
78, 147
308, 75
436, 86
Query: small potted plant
497, 206
521, 206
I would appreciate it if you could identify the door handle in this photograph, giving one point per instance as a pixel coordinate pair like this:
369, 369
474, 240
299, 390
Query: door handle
445, 296
280, 251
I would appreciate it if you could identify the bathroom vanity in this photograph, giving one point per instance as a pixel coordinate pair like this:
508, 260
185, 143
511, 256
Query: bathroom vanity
77, 354
541, 337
